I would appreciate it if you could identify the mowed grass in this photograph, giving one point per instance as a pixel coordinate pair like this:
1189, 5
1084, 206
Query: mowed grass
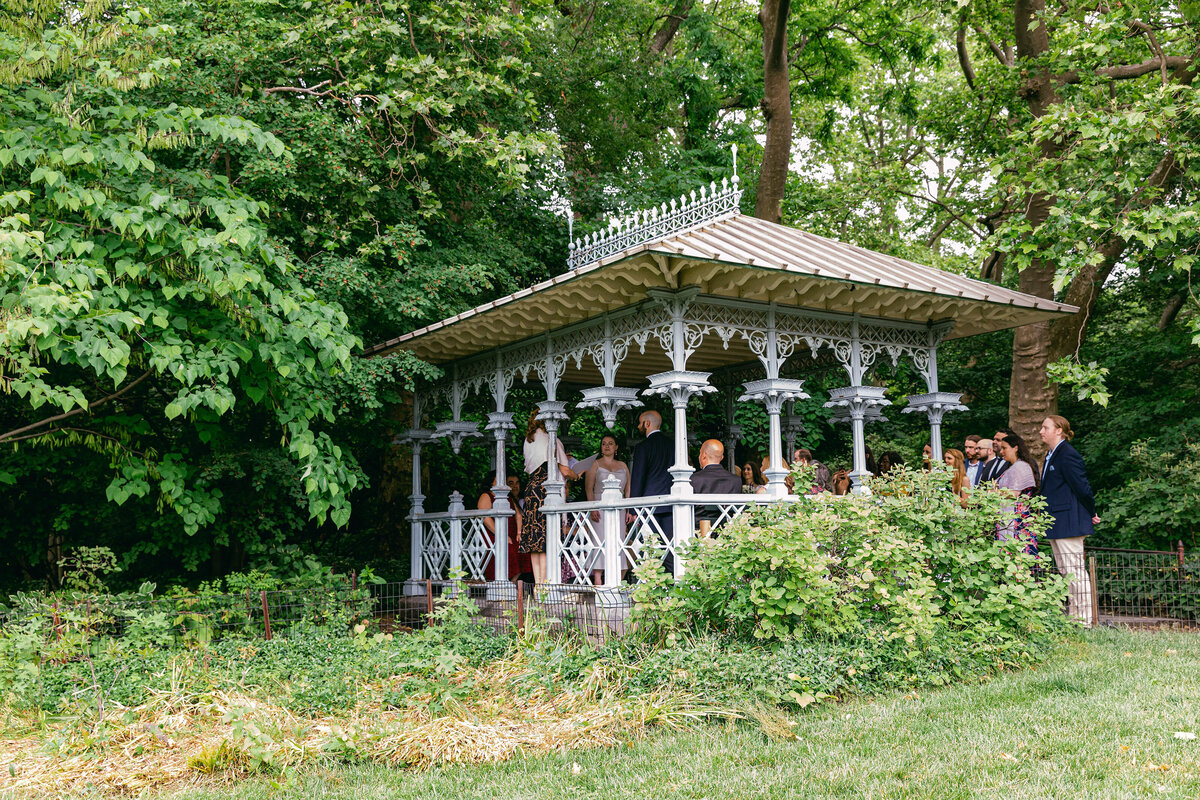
1098, 721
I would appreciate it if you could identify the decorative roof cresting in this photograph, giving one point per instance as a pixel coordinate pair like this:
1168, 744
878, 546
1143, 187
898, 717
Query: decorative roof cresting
711, 204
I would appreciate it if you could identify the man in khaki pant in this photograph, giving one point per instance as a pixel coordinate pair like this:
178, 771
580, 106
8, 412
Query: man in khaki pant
1069, 501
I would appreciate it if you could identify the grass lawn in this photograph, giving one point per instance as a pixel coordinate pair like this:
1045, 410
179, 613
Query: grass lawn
1096, 722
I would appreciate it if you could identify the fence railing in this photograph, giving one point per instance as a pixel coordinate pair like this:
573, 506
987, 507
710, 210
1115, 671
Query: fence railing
606, 535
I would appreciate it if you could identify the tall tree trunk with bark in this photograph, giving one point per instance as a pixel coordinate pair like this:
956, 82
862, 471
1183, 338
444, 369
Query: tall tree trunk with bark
1031, 396
777, 111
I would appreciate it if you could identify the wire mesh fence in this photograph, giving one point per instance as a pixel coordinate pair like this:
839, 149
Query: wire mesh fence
192, 620
1147, 586
1107, 586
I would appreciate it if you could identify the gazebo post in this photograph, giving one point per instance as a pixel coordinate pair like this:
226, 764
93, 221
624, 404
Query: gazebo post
733, 432
552, 411
500, 422
416, 437
857, 400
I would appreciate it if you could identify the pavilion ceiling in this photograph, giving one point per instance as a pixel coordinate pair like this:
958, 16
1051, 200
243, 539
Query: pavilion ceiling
741, 258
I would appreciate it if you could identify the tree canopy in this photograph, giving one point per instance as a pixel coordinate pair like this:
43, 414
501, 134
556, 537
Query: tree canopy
207, 210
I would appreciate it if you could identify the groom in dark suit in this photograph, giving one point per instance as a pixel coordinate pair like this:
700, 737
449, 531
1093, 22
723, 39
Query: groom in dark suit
650, 475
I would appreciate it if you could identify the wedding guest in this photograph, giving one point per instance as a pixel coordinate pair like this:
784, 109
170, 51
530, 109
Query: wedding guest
752, 479
520, 567
533, 534
974, 463
955, 459
712, 478
1069, 500
1021, 480
823, 478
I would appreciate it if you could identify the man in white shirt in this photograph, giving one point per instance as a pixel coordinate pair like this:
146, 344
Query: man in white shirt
974, 465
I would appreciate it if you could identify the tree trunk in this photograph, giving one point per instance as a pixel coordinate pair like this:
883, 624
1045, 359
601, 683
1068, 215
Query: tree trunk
663, 37
1031, 397
777, 111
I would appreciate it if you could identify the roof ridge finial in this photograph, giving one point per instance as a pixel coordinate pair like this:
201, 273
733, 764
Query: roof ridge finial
735, 172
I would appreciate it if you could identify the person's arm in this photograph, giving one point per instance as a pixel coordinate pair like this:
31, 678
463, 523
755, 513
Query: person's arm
564, 462
485, 502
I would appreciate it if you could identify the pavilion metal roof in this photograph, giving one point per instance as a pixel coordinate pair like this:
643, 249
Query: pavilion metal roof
735, 256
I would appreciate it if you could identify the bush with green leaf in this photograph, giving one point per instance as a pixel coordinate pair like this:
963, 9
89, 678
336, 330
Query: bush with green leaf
907, 563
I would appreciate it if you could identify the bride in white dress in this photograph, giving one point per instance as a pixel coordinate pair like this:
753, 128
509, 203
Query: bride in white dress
594, 478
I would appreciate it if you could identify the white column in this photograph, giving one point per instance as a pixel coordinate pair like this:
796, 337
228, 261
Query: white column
416, 570
610, 516
773, 393
680, 386
455, 569
500, 423
858, 402
935, 405
552, 412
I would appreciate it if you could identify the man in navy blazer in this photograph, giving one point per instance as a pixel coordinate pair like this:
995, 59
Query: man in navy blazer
650, 475
1069, 501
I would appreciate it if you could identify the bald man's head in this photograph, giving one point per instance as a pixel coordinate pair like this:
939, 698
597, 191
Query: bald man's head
649, 421
711, 452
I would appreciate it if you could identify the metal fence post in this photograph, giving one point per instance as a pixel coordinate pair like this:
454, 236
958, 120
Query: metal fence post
1179, 550
520, 608
266, 616
428, 600
1095, 598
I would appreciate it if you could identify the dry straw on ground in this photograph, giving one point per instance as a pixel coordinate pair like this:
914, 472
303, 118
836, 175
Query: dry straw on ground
177, 739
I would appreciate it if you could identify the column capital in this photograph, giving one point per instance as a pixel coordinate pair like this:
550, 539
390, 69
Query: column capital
499, 422
934, 404
610, 400
456, 432
773, 392
679, 385
552, 411
416, 437
858, 402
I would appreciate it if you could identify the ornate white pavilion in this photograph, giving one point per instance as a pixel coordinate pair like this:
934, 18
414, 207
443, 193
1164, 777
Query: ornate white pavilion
673, 301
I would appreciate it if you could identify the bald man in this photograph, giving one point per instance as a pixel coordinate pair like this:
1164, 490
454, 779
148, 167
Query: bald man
712, 478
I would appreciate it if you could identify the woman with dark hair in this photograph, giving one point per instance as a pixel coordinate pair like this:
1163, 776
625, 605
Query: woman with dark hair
519, 565
486, 500
533, 531
752, 479
889, 461
1020, 480
604, 467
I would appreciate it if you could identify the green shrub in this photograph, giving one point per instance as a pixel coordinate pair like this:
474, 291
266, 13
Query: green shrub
907, 562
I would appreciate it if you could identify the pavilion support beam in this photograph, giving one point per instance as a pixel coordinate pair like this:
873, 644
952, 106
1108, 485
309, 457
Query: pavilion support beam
858, 401
416, 437
935, 405
680, 386
773, 393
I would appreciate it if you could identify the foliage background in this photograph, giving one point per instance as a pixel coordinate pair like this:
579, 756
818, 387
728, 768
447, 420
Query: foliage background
385, 164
